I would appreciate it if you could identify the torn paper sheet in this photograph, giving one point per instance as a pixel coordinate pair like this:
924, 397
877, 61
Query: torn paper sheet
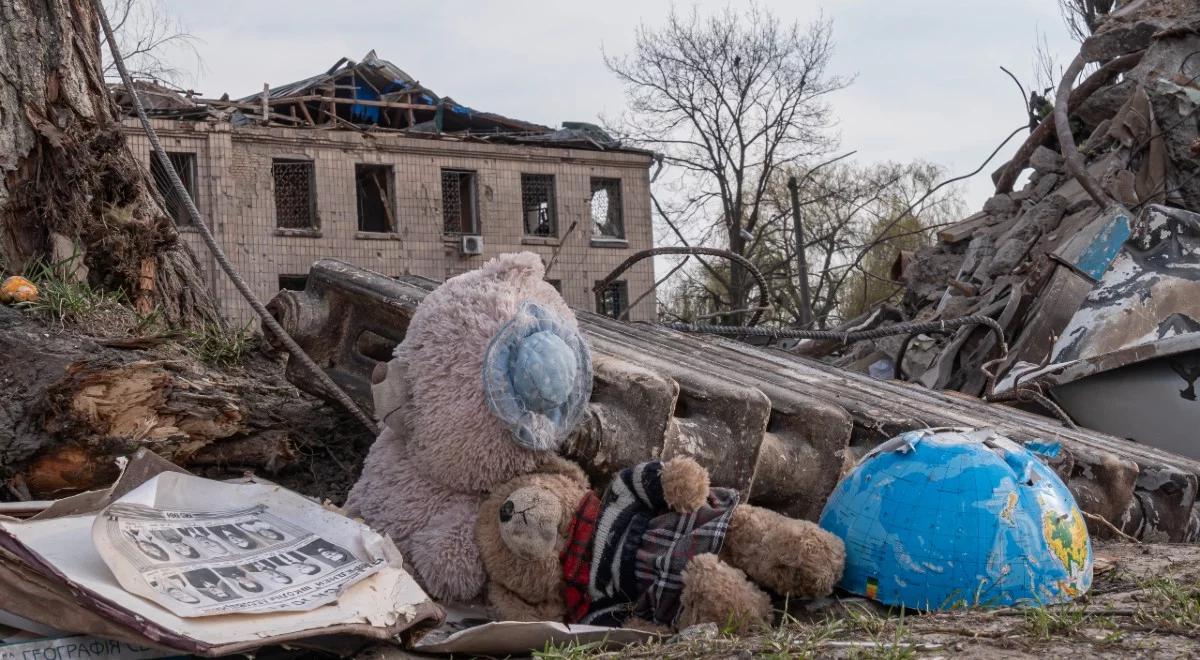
51, 573
201, 548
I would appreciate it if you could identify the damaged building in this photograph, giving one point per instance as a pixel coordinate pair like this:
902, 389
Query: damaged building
365, 164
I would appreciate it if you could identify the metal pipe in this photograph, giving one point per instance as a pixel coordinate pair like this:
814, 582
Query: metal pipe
1066, 141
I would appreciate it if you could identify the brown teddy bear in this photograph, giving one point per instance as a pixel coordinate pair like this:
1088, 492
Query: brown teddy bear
660, 548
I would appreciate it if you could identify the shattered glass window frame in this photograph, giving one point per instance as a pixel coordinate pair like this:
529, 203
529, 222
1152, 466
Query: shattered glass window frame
538, 214
294, 183
612, 225
458, 195
186, 164
613, 300
381, 176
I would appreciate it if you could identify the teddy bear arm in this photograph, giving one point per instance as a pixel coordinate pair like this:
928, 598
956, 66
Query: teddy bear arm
786, 555
715, 592
512, 607
445, 556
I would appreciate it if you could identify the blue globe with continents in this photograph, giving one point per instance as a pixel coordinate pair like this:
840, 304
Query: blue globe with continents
944, 518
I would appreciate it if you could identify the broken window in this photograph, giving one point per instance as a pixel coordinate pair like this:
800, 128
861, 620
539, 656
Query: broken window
375, 199
293, 282
613, 299
606, 209
458, 202
294, 199
537, 204
185, 165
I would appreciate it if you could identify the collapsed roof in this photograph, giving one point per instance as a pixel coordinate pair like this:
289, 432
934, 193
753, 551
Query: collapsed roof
369, 95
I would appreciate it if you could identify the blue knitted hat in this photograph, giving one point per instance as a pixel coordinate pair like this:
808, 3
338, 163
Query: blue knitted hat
537, 377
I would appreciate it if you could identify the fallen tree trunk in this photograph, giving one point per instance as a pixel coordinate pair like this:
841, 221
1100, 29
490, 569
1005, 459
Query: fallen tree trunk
71, 407
70, 187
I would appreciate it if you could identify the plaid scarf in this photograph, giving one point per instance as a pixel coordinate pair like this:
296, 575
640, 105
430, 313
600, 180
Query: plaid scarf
669, 542
576, 558
625, 553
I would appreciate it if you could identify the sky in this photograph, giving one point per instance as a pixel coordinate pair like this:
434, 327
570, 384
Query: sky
927, 83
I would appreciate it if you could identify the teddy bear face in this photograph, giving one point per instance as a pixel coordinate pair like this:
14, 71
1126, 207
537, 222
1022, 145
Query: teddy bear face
529, 520
452, 435
522, 528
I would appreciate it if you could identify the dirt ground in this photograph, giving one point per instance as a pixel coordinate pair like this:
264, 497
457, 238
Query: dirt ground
1144, 603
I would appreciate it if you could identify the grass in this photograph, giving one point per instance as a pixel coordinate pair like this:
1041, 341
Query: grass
1055, 621
889, 637
569, 651
220, 347
76, 305
72, 304
1171, 604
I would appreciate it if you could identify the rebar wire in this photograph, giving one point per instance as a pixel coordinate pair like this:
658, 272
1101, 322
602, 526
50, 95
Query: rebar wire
240, 284
848, 337
764, 302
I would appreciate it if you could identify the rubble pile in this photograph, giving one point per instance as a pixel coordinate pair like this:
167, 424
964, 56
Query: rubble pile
1021, 258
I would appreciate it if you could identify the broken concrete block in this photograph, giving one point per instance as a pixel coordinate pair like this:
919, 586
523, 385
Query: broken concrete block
1016, 242
1044, 186
1045, 159
1119, 40
1104, 103
629, 415
1097, 138
1000, 205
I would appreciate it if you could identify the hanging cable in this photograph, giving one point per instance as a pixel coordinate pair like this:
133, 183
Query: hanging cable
240, 284
849, 336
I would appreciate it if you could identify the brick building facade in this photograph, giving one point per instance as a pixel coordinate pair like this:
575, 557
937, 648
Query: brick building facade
280, 197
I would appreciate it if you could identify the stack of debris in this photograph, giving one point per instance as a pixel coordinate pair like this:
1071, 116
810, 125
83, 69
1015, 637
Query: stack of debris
1032, 258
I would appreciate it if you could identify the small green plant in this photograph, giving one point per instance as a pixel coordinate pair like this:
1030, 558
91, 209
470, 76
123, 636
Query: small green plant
569, 651
220, 347
1059, 620
893, 646
1171, 603
69, 303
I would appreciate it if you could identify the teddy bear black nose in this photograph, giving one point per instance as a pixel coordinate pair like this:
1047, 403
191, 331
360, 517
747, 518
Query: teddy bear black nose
506, 511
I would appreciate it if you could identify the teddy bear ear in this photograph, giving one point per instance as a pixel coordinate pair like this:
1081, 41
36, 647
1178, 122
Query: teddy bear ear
389, 387
516, 265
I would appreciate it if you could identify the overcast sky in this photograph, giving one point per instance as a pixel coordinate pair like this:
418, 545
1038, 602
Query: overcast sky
927, 82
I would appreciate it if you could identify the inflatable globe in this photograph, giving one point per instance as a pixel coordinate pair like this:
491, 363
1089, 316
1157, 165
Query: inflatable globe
945, 518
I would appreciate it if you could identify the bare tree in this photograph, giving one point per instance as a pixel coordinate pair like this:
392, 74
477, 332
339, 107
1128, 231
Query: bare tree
728, 99
153, 41
857, 219
1082, 17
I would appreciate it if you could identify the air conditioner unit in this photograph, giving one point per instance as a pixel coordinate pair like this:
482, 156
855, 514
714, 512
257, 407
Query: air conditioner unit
471, 245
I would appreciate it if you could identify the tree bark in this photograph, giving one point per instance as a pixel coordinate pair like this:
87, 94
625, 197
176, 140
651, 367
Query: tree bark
71, 406
66, 174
